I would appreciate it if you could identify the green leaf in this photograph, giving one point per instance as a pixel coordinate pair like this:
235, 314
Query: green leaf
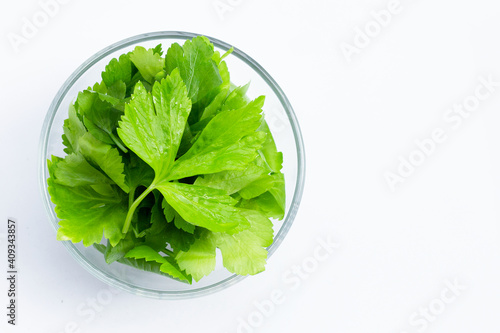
158, 49
118, 70
196, 66
228, 142
105, 157
148, 62
257, 187
234, 180
100, 116
73, 130
279, 194
215, 106
199, 260
162, 233
178, 239
209, 105
186, 141
147, 266
271, 203
182, 224
148, 254
273, 157
86, 214
168, 211
142, 217
216, 103
153, 124
65, 141
74, 170
98, 133
244, 253
202, 206
118, 90
117, 252
237, 98
87, 98
224, 74
156, 237
262, 185
218, 58
137, 172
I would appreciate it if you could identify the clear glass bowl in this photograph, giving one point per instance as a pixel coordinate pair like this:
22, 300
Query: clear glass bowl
278, 113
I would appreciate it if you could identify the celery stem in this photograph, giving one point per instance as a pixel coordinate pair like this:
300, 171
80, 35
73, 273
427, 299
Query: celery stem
134, 205
117, 142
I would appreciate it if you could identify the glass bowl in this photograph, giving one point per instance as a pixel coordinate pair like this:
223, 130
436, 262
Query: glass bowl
278, 113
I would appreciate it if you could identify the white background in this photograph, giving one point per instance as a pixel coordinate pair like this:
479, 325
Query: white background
397, 249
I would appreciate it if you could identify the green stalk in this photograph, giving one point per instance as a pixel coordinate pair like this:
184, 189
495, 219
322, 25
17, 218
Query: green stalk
134, 206
117, 142
131, 195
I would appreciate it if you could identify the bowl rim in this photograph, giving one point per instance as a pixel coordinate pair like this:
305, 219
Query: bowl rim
43, 172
